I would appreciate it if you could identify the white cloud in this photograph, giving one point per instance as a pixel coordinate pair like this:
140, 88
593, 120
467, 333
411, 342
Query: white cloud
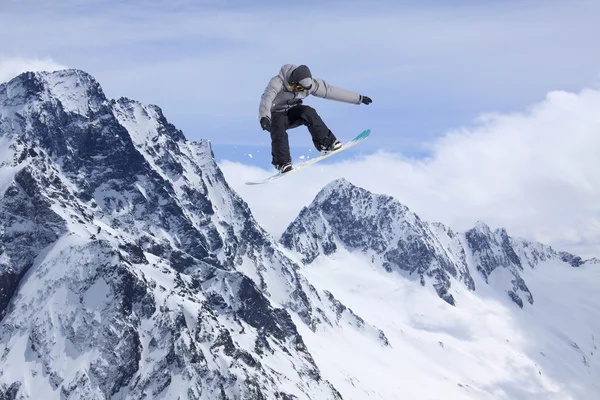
11, 67
536, 173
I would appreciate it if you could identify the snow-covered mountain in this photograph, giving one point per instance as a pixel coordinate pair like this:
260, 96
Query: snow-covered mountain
381, 228
520, 320
396, 238
130, 269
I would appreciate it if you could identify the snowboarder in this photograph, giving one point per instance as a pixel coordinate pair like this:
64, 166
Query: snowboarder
281, 109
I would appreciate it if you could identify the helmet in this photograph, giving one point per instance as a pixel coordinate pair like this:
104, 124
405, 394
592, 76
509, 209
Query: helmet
301, 78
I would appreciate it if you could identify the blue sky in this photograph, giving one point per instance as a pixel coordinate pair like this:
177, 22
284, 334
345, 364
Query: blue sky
429, 66
462, 94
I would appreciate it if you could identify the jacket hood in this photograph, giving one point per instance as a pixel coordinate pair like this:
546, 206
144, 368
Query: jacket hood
285, 72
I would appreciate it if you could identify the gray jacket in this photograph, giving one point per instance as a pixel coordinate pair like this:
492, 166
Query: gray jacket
279, 96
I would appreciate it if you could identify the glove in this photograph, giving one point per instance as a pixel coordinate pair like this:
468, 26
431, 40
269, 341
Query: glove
265, 124
365, 100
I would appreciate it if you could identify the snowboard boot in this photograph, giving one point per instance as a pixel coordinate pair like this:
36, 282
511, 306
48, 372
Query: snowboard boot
333, 147
283, 168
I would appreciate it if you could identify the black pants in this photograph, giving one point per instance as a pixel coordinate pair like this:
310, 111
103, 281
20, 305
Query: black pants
293, 118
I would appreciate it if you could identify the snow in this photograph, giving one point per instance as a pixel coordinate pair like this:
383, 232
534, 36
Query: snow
485, 348
139, 122
71, 88
44, 278
7, 170
97, 295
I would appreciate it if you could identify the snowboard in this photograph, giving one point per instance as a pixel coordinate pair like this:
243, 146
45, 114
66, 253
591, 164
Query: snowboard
361, 136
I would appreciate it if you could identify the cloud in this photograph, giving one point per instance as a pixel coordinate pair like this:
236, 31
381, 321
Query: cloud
536, 173
11, 67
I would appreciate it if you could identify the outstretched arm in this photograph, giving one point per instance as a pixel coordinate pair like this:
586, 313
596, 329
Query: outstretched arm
266, 102
324, 90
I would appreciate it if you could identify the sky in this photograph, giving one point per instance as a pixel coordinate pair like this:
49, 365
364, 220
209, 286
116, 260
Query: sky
482, 110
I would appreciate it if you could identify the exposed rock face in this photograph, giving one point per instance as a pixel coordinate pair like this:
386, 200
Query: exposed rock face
388, 232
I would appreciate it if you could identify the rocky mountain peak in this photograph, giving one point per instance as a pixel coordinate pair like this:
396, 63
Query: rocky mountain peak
74, 91
378, 226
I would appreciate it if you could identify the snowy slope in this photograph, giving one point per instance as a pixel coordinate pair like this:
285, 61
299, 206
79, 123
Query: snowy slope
483, 348
130, 269
486, 344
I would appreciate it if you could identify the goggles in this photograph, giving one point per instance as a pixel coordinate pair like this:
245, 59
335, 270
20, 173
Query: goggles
298, 88
301, 88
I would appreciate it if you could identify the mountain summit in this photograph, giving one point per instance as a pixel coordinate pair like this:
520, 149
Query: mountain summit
380, 227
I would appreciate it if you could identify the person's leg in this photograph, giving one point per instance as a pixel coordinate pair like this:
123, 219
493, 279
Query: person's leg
322, 137
280, 146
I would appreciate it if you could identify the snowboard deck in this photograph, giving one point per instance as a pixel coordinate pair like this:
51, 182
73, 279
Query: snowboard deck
359, 138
